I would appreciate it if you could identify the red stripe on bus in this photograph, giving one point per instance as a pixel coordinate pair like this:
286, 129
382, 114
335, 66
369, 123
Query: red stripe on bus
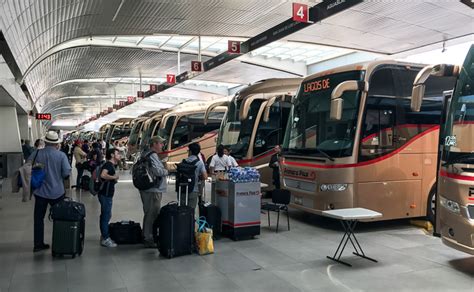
290, 163
181, 147
404, 126
270, 152
241, 224
455, 176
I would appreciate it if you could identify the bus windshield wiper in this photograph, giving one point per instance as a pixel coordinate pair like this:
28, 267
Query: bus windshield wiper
324, 154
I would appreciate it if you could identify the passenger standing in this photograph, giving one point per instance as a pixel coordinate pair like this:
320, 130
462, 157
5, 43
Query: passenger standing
51, 191
39, 144
106, 194
232, 161
275, 165
151, 198
220, 161
85, 147
200, 175
26, 149
80, 157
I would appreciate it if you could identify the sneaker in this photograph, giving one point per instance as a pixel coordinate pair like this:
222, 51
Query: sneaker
108, 242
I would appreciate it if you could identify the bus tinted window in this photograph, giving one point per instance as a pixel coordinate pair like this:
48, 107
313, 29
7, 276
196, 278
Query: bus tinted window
269, 134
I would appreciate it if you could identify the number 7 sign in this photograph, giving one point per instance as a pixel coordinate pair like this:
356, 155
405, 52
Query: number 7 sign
171, 78
300, 12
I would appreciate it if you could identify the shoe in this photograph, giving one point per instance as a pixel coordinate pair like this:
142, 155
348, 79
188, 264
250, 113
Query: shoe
41, 247
108, 242
149, 244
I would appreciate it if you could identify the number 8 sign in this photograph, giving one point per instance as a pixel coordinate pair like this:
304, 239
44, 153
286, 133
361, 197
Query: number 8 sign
233, 47
300, 12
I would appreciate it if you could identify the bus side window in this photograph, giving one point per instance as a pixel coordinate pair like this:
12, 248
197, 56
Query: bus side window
377, 131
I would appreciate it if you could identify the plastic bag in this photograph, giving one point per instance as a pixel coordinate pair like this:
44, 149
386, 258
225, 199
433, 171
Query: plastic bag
204, 241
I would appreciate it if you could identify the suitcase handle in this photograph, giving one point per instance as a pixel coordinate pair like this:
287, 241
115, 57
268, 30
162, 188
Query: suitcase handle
179, 193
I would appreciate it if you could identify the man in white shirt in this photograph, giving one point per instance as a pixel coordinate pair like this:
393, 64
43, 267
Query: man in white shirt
220, 161
232, 161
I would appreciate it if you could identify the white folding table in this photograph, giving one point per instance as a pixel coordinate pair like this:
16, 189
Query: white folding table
349, 218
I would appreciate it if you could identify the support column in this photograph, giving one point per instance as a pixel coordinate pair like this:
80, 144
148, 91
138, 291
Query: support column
23, 127
10, 141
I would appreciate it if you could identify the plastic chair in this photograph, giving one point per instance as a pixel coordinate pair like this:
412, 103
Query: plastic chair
280, 201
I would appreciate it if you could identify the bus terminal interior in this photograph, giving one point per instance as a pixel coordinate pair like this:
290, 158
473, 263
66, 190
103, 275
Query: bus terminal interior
236, 145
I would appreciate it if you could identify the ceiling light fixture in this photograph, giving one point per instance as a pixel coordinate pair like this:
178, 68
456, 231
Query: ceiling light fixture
118, 9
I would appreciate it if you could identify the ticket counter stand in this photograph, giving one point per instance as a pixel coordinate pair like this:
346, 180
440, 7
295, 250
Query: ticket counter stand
240, 208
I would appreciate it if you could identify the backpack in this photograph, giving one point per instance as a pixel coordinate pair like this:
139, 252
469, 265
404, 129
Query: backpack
186, 174
142, 176
95, 183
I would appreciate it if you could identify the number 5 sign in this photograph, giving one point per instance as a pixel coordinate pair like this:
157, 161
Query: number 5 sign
300, 12
233, 47
170, 78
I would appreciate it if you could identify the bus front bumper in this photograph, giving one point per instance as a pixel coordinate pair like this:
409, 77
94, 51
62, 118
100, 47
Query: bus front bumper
457, 230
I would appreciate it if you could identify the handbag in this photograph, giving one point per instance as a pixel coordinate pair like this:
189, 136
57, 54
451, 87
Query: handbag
204, 241
37, 173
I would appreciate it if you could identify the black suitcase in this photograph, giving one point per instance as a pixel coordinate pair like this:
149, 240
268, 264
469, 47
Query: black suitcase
213, 216
126, 232
85, 181
176, 229
68, 228
68, 238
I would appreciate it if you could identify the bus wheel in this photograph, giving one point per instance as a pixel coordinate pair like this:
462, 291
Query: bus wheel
431, 206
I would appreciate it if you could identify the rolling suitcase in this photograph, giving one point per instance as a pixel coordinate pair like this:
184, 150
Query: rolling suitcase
126, 232
68, 228
176, 228
212, 213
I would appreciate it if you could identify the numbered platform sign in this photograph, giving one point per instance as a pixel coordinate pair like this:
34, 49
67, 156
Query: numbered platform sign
300, 12
171, 78
196, 66
233, 47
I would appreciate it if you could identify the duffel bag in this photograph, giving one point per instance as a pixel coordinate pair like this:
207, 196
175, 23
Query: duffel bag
67, 210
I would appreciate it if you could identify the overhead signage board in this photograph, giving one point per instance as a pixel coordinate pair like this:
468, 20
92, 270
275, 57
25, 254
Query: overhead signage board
141, 94
153, 88
182, 77
43, 116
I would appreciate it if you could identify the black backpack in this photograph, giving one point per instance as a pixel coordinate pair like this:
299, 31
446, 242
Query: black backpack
142, 176
186, 174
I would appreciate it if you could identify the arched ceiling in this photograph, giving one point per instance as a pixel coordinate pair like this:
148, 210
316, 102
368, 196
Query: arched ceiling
36, 29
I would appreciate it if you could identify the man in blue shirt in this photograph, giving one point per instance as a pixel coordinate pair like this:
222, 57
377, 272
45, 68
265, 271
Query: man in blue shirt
57, 168
200, 175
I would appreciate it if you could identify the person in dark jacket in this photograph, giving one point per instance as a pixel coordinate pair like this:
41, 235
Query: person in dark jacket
275, 165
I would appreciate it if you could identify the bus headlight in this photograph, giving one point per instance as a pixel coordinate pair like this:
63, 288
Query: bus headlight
333, 187
450, 205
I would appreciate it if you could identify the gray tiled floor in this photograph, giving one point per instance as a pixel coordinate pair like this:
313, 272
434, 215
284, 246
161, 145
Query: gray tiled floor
409, 259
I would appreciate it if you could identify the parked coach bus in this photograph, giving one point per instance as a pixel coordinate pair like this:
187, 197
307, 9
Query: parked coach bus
353, 141
184, 124
135, 133
255, 122
119, 130
455, 192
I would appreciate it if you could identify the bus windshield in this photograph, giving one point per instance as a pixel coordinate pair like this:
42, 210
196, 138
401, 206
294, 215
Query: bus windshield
133, 139
459, 138
235, 133
310, 130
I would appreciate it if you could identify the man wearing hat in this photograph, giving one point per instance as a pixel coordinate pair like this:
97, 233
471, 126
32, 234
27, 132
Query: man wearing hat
57, 168
151, 198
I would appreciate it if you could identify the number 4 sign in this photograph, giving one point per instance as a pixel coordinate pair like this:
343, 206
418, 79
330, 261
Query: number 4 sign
300, 12
171, 78
233, 47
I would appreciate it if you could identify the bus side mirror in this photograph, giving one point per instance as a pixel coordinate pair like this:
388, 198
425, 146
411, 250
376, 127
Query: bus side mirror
336, 100
418, 90
336, 109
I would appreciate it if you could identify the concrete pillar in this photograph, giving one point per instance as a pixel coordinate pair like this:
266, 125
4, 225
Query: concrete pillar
10, 140
23, 126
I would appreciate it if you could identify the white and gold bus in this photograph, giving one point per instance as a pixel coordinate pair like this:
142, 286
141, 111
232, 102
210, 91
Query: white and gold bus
255, 122
455, 192
135, 133
185, 124
353, 141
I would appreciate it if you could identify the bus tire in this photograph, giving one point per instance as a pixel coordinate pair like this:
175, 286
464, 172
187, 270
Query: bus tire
431, 205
